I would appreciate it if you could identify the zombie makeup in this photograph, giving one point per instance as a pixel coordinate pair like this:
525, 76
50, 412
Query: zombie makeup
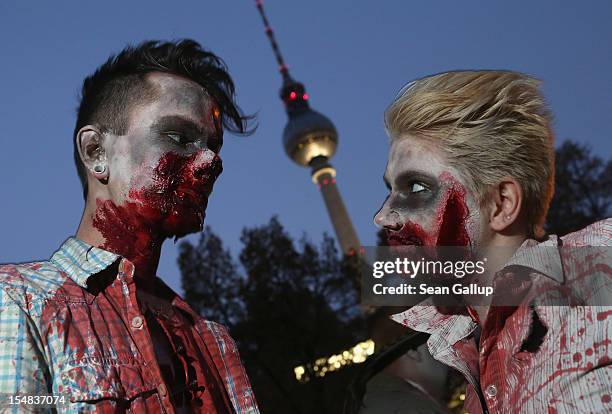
428, 205
161, 172
443, 198
172, 206
186, 134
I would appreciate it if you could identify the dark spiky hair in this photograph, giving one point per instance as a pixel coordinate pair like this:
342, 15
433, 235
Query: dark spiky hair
114, 88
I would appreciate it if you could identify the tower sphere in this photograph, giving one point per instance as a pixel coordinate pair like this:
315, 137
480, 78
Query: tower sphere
309, 134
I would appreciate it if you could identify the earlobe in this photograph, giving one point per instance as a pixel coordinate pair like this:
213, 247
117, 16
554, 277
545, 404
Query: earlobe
92, 152
99, 169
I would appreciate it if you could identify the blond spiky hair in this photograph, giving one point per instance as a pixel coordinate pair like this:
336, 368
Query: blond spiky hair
490, 124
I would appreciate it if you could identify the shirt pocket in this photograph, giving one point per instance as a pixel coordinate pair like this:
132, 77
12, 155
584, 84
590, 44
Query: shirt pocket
103, 383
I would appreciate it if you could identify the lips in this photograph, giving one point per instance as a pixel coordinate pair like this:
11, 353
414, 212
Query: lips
191, 204
403, 240
191, 195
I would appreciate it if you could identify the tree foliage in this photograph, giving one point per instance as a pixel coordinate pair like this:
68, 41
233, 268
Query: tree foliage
285, 305
583, 189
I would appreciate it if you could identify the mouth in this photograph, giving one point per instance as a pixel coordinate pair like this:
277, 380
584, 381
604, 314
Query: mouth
403, 240
196, 200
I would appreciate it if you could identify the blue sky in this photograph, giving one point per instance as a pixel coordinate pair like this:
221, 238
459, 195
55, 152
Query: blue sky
353, 56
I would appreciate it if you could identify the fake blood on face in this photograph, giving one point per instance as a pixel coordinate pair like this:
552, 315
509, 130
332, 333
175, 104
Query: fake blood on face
452, 219
172, 205
449, 226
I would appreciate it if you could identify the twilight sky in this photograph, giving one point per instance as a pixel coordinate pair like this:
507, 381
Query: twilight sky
353, 56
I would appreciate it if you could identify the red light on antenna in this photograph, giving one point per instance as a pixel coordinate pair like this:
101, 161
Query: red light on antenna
305, 97
292, 95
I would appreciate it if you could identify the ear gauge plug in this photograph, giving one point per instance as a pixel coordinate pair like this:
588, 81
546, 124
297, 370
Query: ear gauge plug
99, 168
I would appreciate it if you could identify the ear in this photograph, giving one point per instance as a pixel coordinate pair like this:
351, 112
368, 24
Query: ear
89, 142
506, 201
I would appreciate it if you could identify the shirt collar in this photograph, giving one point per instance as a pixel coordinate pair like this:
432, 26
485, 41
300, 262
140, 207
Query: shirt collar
541, 257
444, 329
80, 260
425, 317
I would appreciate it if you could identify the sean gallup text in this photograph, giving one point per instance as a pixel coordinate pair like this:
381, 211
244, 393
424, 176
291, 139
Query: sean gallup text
424, 289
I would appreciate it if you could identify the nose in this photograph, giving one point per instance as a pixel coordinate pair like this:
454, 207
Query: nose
388, 219
207, 165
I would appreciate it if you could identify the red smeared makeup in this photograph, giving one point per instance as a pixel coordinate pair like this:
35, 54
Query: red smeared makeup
449, 225
171, 205
453, 220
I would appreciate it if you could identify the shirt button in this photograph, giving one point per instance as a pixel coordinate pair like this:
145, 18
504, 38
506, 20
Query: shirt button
491, 391
162, 390
137, 322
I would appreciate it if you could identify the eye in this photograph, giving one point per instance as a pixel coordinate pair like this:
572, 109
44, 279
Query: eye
177, 137
417, 188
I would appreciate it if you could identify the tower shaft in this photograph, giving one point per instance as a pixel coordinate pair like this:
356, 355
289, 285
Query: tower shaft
343, 226
310, 139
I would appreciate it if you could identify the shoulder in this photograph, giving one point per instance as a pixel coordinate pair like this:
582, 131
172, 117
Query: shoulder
217, 334
596, 234
218, 330
226, 357
27, 285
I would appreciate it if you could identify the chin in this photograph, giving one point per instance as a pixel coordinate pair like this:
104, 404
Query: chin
183, 221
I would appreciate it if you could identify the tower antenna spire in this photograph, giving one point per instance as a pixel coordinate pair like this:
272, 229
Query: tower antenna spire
282, 67
310, 139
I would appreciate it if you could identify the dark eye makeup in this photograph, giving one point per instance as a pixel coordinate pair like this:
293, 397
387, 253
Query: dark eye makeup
183, 132
413, 189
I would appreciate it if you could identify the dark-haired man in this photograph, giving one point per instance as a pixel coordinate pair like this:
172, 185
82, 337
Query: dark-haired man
93, 326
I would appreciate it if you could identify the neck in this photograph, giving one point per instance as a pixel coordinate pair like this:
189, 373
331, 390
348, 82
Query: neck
498, 252
118, 230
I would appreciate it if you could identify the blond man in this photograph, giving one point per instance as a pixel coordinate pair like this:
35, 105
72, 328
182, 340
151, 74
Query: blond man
471, 163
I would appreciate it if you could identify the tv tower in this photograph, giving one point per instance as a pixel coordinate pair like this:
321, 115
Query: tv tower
310, 139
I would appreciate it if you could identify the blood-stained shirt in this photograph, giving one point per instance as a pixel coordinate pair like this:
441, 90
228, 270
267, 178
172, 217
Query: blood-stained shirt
76, 327
530, 358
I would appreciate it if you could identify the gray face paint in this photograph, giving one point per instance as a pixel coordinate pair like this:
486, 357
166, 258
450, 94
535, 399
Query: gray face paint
181, 119
428, 203
161, 171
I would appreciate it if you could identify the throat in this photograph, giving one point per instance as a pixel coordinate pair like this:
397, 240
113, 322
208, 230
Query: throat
120, 230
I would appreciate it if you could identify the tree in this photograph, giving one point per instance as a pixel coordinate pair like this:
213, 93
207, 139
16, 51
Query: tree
284, 305
583, 189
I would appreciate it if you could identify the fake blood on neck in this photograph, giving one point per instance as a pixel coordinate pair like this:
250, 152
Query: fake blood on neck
171, 206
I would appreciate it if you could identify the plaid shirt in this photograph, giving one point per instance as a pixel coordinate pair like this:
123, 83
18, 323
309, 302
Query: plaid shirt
58, 336
531, 359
